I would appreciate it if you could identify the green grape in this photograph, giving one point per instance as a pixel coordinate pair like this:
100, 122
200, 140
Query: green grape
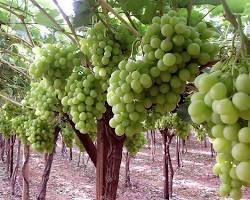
68, 136
243, 171
84, 100
106, 50
240, 152
55, 63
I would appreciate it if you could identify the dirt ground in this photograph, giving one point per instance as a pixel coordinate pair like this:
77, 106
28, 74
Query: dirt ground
194, 180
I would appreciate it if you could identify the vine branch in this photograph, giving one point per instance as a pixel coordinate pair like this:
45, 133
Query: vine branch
189, 11
28, 33
233, 20
18, 39
52, 20
229, 15
15, 68
18, 9
11, 100
240, 29
12, 53
21, 18
66, 18
106, 6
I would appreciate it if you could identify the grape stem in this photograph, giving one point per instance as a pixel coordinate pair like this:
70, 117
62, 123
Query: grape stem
129, 19
206, 14
106, 6
209, 64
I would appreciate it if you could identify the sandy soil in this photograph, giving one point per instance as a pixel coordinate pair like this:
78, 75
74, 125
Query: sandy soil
194, 180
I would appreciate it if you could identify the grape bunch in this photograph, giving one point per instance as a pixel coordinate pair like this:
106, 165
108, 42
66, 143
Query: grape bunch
68, 136
78, 143
104, 50
135, 143
176, 51
128, 97
84, 100
18, 127
222, 101
172, 44
43, 99
174, 122
40, 134
5, 125
54, 62
173, 52
7, 112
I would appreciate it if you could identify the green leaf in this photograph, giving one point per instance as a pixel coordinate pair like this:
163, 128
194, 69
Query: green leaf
41, 19
184, 3
136, 7
80, 6
182, 112
149, 13
3, 17
83, 12
83, 19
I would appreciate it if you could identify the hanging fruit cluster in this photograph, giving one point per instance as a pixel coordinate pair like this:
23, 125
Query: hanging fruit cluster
223, 101
173, 52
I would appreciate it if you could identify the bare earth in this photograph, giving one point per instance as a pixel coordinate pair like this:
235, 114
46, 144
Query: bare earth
193, 181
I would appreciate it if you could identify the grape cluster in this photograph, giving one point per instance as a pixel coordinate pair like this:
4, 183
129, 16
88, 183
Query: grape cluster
127, 96
18, 127
54, 62
7, 112
222, 101
68, 136
43, 99
84, 100
176, 50
5, 125
40, 134
174, 122
103, 50
173, 52
79, 144
135, 143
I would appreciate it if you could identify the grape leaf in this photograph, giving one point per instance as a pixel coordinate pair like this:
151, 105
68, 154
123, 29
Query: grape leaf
136, 7
149, 13
83, 12
41, 19
3, 18
81, 6
83, 19
182, 112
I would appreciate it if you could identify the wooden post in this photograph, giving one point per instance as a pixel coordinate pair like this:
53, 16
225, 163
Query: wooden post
16, 169
47, 169
127, 170
86, 142
109, 155
25, 172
